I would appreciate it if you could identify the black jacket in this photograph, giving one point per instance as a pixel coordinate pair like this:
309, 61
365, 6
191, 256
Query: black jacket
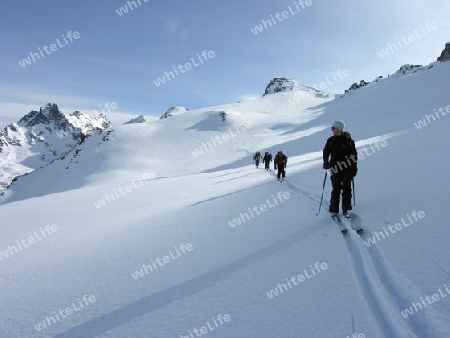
267, 158
340, 155
280, 161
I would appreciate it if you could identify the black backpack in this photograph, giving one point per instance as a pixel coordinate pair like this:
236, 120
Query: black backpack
348, 138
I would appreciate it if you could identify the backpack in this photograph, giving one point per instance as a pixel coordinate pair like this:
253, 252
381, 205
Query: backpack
348, 138
281, 159
350, 145
257, 156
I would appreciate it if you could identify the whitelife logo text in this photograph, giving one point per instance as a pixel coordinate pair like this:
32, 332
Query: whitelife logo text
49, 49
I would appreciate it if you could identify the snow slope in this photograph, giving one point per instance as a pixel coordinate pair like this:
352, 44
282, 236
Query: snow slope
168, 230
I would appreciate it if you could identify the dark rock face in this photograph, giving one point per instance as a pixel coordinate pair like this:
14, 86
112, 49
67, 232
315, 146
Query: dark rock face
357, 85
173, 111
280, 84
445, 55
407, 68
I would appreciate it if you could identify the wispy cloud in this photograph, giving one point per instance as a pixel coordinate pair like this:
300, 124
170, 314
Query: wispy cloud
25, 95
175, 25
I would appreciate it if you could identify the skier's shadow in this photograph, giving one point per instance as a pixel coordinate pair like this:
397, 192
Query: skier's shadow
146, 305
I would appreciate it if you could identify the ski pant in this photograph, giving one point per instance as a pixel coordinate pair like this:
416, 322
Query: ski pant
257, 163
281, 171
341, 181
267, 165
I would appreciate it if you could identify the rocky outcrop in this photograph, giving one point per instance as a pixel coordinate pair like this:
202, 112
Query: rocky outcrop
280, 84
357, 85
409, 69
445, 55
139, 119
177, 110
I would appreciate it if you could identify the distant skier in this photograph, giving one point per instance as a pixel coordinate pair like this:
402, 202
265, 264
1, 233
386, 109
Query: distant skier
341, 157
257, 158
280, 163
267, 159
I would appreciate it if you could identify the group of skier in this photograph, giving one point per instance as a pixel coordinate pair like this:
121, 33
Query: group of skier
340, 158
279, 162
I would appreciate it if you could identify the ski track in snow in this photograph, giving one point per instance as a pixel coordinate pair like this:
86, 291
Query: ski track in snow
313, 197
382, 289
233, 178
398, 289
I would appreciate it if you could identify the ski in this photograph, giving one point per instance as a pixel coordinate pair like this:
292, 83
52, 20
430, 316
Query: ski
339, 223
358, 229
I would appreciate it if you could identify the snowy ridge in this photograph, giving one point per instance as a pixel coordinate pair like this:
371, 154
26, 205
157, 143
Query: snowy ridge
159, 198
173, 111
403, 71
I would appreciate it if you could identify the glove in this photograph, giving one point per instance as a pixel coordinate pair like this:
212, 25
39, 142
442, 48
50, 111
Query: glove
275, 167
326, 165
353, 170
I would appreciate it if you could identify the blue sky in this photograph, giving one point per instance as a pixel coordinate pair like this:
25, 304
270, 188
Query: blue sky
118, 58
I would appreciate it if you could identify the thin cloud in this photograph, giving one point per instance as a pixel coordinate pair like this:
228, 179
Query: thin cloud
175, 25
24, 95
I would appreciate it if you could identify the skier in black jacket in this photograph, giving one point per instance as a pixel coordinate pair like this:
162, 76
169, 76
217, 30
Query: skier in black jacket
267, 159
341, 157
280, 163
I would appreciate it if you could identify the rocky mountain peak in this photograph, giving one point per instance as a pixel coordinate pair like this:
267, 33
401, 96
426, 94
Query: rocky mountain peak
47, 114
445, 55
41, 137
281, 84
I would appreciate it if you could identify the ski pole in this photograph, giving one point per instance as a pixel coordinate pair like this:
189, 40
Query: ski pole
323, 188
354, 193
